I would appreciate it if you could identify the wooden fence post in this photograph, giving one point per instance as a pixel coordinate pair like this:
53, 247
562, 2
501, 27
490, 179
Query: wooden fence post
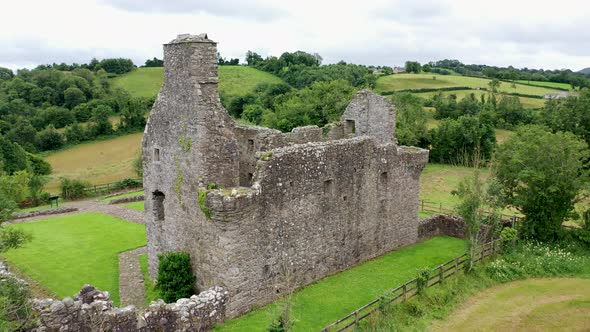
356, 318
405, 295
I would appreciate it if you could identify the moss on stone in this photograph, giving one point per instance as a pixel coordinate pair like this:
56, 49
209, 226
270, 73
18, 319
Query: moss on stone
266, 156
178, 180
201, 200
212, 186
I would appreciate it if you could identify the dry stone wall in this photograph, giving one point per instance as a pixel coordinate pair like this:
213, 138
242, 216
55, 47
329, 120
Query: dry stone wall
92, 310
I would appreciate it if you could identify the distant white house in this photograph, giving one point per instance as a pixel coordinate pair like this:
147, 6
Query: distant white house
562, 94
397, 70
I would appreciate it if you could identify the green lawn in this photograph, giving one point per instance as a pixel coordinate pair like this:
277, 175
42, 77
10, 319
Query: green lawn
320, 303
438, 181
151, 293
68, 252
129, 194
416, 81
528, 305
135, 206
233, 80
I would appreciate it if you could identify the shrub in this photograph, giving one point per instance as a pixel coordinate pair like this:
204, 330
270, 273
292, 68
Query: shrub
422, 280
16, 312
127, 183
138, 164
73, 189
175, 276
508, 236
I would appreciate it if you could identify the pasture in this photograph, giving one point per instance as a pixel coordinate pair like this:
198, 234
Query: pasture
425, 80
233, 80
548, 84
525, 101
326, 300
528, 305
68, 252
98, 162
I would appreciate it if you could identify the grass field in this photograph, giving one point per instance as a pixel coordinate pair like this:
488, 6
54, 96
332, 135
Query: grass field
548, 84
330, 298
129, 194
135, 206
438, 181
529, 305
526, 102
416, 81
151, 293
68, 252
233, 80
97, 162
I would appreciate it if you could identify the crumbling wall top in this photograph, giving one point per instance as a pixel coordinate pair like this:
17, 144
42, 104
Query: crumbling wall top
188, 38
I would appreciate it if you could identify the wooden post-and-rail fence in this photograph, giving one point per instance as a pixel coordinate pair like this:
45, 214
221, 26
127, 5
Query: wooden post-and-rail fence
436, 207
410, 289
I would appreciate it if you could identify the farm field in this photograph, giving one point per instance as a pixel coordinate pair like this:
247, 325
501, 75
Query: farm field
68, 252
438, 181
548, 84
97, 162
320, 303
529, 305
417, 81
233, 80
525, 101
129, 194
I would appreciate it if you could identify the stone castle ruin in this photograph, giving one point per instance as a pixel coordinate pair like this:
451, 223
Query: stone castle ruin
262, 212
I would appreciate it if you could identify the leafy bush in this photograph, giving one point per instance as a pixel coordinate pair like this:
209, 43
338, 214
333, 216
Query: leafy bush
175, 276
508, 236
138, 164
422, 280
16, 312
127, 183
73, 188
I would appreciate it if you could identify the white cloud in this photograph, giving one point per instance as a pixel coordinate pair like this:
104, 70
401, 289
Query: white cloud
502, 32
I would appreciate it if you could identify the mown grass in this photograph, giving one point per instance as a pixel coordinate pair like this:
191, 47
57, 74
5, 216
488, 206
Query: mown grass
68, 252
416, 81
129, 194
529, 305
135, 206
233, 80
451, 307
98, 162
151, 293
330, 298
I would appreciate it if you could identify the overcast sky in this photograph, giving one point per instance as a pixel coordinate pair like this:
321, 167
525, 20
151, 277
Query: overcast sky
534, 34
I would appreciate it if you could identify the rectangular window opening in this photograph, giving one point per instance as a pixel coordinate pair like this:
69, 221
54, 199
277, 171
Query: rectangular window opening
156, 154
328, 186
383, 180
250, 145
158, 205
350, 127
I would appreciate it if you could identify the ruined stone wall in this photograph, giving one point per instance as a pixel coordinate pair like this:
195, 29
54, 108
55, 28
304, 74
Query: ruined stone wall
92, 310
291, 208
442, 224
315, 209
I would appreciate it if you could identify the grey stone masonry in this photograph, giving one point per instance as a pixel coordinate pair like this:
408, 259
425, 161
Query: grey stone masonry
92, 310
262, 212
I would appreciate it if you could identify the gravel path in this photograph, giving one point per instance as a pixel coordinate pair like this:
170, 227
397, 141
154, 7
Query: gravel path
94, 206
131, 288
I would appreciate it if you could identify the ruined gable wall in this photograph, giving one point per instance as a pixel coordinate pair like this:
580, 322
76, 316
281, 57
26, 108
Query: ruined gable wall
188, 143
316, 209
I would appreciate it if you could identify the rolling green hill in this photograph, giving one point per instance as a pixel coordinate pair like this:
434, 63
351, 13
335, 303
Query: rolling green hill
233, 80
